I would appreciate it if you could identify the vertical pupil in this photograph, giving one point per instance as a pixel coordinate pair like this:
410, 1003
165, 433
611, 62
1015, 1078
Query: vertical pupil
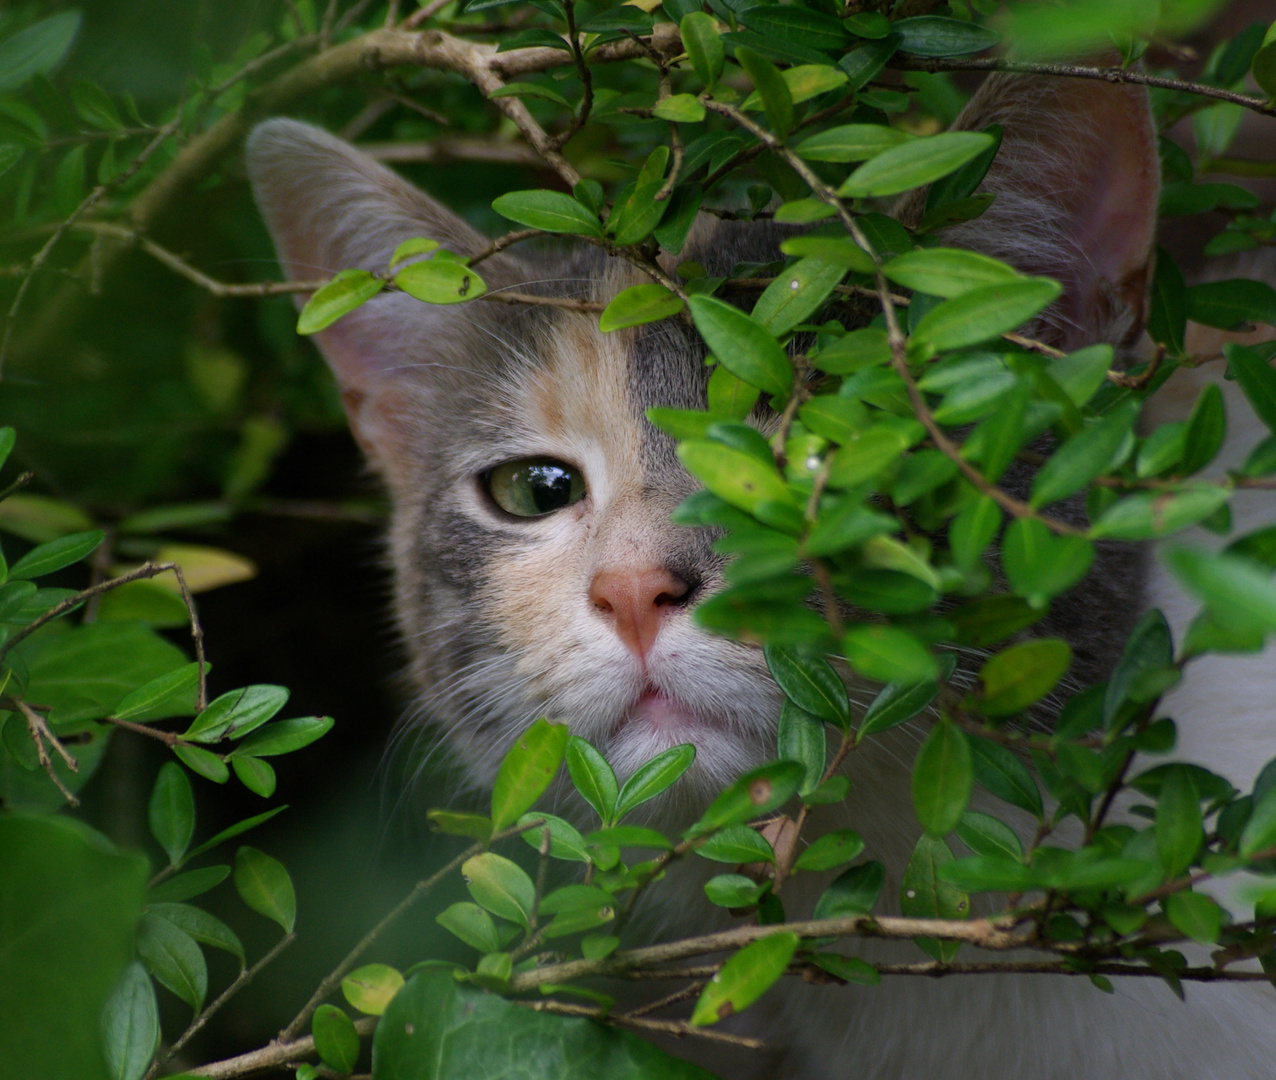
551, 487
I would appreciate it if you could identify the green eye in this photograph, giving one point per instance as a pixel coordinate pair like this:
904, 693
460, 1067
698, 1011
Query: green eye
534, 486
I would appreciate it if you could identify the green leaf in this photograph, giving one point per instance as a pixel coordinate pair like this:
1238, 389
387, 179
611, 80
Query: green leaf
500, 886
795, 295
942, 778
925, 895
1149, 515
347, 290
866, 455
1206, 427
1022, 674
203, 762
985, 873
1040, 565
653, 777
441, 281
972, 531
37, 50
742, 345
68, 904
1233, 588
372, 988
680, 108
171, 694
896, 704
472, 925
1084, 456
172, 956
284, 736
848, 968
1264, 66
734, 891
914, 163
256, 775
946, 272
565, 842
810, 682
437, 1028
730, 396
984, 312
771, 87
237, 712
853, 892
985, 835
1259, 834
851, 142
336, 1041
629, 836
264, 885
527, 770
171, 812
454, 823
998, 771
703, 45
530, 89
55, 554
633, 220
935, 35
830, 850
1150, 648
638, 305
831, 251
888, 654
734, 476
203, 927
130, 1024
801, 738
238, 829
548, 210
417, 245
737, 844
95, 106
1231, 304
186, 886
1196, 915
593, 777
745, 978
1257, 379
753, 795
864, 61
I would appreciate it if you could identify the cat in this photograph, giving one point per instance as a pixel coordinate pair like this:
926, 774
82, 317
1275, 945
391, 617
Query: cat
537, 572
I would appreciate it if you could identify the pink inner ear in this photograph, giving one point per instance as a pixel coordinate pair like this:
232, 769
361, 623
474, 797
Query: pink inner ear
1077, 183
1114, 218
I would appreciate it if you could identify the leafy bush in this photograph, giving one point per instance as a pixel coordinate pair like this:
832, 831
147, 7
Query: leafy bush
888, 474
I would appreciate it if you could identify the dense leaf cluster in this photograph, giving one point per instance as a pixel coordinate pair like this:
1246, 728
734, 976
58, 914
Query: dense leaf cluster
867, 521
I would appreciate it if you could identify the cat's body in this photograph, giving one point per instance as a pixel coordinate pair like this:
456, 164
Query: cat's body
584, 614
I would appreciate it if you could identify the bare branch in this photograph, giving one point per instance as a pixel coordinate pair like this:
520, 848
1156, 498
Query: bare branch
1072, 71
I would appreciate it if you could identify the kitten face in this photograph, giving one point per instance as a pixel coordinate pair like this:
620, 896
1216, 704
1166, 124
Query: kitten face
583, 614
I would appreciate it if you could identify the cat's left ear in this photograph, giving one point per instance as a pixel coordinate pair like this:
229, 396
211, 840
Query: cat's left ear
1077, 181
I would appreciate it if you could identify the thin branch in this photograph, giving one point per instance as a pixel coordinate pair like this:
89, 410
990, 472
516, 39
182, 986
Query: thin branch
272, 1056
1072, 71
502, 242
679, 1028
243, 979
423, 887
146, 570
38, 728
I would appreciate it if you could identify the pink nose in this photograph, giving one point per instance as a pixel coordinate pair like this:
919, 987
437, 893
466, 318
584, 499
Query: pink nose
636, 600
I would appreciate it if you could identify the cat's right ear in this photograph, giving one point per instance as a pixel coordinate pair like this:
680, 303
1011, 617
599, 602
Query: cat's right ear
328, 208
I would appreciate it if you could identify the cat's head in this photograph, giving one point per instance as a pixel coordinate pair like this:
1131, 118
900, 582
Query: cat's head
537, 570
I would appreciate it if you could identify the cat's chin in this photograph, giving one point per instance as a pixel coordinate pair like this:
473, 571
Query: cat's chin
666, 719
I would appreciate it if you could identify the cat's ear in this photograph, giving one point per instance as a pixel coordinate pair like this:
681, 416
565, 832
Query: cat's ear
328, 208
1077, 181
